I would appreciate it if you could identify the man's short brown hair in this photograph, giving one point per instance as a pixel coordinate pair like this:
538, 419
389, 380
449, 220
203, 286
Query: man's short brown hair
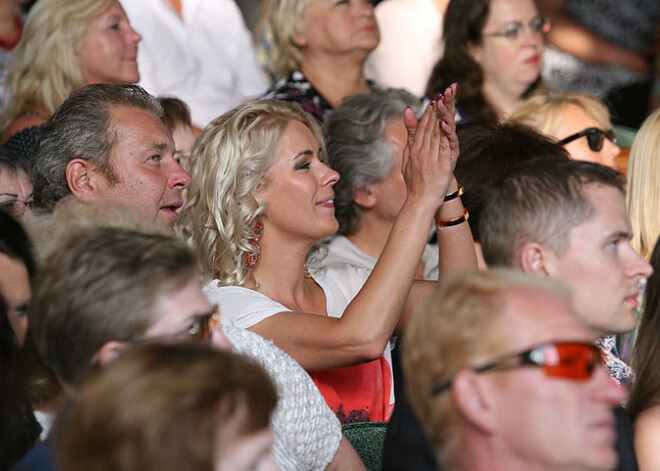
101, 284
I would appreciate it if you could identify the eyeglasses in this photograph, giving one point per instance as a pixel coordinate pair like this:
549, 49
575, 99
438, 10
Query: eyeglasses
200, 329
570, 360
595, 137
15, 208
513, 30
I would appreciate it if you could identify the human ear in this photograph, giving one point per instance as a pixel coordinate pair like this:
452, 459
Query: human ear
533, 259
80, 179
365, 198
473, 402
109, 352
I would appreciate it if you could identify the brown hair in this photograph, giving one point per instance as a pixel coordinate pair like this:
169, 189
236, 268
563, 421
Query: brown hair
165, 407
101, 285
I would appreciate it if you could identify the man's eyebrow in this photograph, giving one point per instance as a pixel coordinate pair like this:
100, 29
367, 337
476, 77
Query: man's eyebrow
618, 235
9, 194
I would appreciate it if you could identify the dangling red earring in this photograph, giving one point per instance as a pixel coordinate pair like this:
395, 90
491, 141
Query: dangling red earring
254, 256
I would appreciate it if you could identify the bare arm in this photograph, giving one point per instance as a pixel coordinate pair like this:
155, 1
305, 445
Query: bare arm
362, 333
569, 36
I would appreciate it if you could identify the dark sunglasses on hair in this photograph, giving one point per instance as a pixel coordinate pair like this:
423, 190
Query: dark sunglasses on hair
595, 137
538, 25
569, 360
200, 329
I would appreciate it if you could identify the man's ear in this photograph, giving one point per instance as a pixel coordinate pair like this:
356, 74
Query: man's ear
533, 259
81, 178
473, 402
365, 198
109, 351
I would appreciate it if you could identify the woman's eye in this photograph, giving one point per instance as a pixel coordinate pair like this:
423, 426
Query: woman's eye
114, 27
303, 165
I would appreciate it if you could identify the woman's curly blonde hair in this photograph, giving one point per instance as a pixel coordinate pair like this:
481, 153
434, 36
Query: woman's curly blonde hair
45, 68
228, 164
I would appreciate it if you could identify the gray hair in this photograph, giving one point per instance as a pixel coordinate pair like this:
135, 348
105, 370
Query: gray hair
357, 148
81, 129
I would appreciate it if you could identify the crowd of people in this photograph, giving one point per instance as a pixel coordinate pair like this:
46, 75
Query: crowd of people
220, 249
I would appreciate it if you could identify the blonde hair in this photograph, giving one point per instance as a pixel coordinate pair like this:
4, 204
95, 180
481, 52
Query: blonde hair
45, 69
454, 329
228, 164
285, 18
545, 112
643, 190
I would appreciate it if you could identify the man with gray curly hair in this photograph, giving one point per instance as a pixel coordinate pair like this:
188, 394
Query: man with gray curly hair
106, 145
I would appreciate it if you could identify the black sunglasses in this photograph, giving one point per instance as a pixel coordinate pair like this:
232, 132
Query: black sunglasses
595, 137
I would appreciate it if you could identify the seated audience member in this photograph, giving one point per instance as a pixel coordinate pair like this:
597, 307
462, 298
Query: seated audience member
567, 220
161, 298
489, 151
11, 29
66, 44
178, 406
642, 188
494, 49
506, 378
20, 430
644, 403
176, 116
262, 200
106, 145
15, 187
410, 43
579, 122
197, 50
319, 49
366, 136
17, 268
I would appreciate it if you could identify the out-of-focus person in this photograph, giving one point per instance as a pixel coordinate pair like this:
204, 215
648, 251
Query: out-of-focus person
410, 43
578, 121
211, 412
319, 49
494, 50
176, 117
606, 48
503, 376
16, 189
66, 44
197, 50
11, 29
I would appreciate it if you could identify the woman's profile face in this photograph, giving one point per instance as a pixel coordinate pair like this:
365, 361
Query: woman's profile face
575, 120
511, 48
108, 53
339, 26
298, 189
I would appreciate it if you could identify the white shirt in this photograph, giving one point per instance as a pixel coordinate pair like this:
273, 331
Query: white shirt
410, 44
207, 59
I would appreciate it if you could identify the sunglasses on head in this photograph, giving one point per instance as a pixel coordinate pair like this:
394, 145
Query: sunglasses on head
569, 360
595, 137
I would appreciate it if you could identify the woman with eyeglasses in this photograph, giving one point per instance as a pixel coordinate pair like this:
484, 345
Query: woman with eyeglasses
493, 49
16, 189
579, 122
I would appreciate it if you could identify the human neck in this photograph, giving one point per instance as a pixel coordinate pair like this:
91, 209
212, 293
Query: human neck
503, 102
336, 77
372, 235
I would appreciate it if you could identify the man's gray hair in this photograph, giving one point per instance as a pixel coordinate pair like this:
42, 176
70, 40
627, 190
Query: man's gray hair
81, 129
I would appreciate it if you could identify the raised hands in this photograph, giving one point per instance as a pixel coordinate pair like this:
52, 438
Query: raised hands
432, 150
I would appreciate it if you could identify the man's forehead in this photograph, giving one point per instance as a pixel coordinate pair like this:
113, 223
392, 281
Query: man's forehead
609, 210
534, 316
